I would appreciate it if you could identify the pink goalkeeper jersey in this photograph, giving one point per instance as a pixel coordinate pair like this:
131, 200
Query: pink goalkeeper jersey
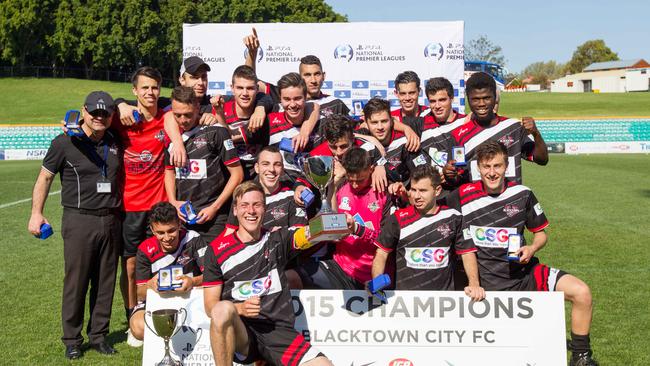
352, 253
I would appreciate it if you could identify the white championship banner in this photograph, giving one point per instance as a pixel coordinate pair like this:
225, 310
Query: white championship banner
415, 328
361, 60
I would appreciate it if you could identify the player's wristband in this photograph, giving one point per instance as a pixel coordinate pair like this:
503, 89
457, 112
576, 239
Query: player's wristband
364, 233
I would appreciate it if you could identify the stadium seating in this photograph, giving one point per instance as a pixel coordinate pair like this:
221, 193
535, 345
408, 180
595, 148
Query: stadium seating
39, 137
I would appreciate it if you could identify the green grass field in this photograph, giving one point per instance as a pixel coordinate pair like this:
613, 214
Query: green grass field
597, 206
30, 100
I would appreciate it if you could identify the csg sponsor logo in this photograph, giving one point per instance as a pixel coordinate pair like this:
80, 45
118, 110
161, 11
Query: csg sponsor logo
263, 286
401, 362
195, 169
434, 51
343, 52
427, 258
491, 237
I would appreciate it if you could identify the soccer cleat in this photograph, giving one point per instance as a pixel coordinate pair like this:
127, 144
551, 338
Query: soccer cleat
132, 341
582, 359
72, 352
103, 348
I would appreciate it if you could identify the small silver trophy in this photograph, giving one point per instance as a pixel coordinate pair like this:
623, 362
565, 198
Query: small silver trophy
326, 225
165, 323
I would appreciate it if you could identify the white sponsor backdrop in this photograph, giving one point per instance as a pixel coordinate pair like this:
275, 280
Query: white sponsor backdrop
361, 60
424, 328
22, 154
607, 147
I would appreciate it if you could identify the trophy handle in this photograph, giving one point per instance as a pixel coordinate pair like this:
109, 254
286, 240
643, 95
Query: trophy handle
147, 324
181, 310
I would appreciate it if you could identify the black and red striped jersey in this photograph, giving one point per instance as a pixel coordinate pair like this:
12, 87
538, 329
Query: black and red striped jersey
209, 151
399, 161
508, 131
436, 139
281, 128
425, 247
329, 105
488, 220
400, 115
281, 210
151, 257
253, 269
247, 144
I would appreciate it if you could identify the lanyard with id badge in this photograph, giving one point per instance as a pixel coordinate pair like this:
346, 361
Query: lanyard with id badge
103, 184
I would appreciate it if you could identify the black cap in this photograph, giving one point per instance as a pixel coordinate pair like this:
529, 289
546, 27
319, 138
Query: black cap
192, 64
99, 100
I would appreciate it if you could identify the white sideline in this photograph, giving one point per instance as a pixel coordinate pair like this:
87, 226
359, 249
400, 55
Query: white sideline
24, 200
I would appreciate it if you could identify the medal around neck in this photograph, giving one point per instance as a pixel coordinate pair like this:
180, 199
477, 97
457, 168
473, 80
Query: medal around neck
188, 213
326, 225
72, 123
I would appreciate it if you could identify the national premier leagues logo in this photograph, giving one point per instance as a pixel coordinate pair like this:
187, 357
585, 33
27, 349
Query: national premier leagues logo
434, 50
260, 53
344, 52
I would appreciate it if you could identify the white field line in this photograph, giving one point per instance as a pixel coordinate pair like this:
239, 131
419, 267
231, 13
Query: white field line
5, 205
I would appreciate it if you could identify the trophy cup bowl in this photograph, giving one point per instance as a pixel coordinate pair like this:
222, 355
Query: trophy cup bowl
165, 325
326, 225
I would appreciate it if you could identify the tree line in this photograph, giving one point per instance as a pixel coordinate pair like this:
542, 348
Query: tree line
126, 34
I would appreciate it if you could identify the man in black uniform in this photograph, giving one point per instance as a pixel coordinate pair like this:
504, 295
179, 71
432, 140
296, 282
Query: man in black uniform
169, 245
246, 293
496, 209
213, 170
90, 167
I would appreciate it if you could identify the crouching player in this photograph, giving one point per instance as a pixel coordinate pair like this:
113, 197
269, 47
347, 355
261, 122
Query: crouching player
495, 209
246, 294
169, 245
426, 238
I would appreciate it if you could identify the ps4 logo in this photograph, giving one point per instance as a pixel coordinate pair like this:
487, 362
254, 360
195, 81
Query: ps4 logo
344, 52
434, 50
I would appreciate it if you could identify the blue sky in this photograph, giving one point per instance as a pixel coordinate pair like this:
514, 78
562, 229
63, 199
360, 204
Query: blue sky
528, 31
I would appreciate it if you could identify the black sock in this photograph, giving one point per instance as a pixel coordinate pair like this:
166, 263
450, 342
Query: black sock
580, 343
129, 311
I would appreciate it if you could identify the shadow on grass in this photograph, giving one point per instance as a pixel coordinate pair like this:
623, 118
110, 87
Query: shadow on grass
645, 193
117, 336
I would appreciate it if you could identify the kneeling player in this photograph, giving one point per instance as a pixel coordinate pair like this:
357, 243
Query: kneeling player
494, 209
169, 245
246, 293
424, 236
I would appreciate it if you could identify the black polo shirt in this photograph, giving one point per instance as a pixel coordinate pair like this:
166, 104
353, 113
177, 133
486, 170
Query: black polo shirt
79, 162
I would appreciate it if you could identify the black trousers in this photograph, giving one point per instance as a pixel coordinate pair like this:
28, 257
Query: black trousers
91, 244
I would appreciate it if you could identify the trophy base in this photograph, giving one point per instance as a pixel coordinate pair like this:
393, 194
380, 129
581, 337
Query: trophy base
327, 227
168, 361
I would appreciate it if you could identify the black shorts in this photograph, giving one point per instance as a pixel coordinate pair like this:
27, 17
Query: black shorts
135, 229
277, 344
542, 278
326, 275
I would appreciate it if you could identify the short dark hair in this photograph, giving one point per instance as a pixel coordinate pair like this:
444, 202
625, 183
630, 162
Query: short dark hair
356, 160
146, 71
336, 126
490, 149
434, 85
163, 213
270, 148
311, 60
185, 95
292, 79
428, 172
480, 80
245, 187
376, 105
244, 72
407, 77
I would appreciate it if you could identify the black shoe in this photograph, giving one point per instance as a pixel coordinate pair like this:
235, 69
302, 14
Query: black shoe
103, 348
582, 359
72, 352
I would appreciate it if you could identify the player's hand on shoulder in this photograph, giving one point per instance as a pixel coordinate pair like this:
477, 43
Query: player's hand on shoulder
412, 139
257, 119
207, 119
126, 114
379, 179
178, 156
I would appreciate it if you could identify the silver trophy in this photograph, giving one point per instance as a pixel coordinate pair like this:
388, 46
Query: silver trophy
165, 323
326, 225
